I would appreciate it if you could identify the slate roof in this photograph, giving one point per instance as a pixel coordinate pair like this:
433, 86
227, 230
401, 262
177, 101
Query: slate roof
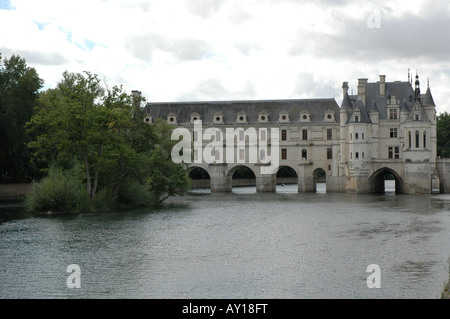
252, 108
403, 92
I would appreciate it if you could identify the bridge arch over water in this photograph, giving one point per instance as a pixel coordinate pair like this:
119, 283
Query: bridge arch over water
378, 178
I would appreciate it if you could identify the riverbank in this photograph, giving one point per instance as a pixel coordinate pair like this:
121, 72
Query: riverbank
14, 191
446, 291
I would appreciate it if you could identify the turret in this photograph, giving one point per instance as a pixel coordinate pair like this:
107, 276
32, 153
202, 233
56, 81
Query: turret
417, 88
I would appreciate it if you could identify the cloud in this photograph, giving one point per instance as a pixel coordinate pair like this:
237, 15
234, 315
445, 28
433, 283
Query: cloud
214, 89
183, 49
37, 57
204, 8
405, 36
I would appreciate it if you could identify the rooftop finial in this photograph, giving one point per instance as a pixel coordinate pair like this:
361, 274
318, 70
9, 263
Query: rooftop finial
428, 83
409, 75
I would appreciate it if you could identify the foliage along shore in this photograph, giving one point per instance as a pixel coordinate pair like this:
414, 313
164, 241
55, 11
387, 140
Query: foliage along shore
83, 143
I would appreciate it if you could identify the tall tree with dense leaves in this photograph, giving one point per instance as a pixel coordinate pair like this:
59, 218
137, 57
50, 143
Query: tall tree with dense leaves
19, 86
443, 135
103, 129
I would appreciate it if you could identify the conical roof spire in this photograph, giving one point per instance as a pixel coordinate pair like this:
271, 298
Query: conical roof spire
346, 103
428, 98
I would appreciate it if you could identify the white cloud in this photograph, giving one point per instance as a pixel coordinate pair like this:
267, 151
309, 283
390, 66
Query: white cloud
230, 49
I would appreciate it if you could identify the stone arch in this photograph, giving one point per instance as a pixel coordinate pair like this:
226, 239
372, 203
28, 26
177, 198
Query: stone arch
286, 175
200, 176
319, 177
377, 180
247, 177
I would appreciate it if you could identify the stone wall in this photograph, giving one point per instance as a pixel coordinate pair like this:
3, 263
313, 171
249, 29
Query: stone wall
443, 166
205, 183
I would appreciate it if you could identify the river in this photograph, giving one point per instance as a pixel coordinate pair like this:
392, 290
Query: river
241, 245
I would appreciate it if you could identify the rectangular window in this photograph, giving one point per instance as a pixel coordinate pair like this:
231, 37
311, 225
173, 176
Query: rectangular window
284, 154
196, 155
263, 135
363, 155
329, 153
218, 135
195, 136
393, 114
304, 135
241, 135
283, 135
356, 136
329, 134
217, 156
393, 133
356, 155
241, 155
394, 152
424, 140
351, 136
356, 119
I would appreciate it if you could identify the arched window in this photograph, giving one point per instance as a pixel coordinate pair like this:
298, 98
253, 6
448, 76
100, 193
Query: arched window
417, 139
304, 154
424, 139
409, 139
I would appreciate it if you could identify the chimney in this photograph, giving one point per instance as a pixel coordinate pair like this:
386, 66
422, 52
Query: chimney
344, 88
382, 85
362, 90
136, 100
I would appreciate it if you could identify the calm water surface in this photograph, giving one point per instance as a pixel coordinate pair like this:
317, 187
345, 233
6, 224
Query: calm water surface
241, 245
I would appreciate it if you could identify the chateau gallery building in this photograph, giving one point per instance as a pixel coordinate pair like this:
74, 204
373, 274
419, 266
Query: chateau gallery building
386, 128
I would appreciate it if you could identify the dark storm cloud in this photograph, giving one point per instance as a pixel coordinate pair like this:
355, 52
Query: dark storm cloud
37, 57
144, 46
424, 36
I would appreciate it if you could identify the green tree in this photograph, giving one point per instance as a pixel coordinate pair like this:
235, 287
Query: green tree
81, 122
73, 123
443, 134
19, 86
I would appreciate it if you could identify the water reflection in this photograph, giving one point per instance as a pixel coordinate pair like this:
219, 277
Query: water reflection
237, 245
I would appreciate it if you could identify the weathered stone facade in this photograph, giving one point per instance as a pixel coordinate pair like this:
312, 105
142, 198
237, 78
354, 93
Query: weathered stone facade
386, 128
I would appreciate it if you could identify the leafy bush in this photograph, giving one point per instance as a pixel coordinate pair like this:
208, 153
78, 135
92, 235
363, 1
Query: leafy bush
134, 194
59, 192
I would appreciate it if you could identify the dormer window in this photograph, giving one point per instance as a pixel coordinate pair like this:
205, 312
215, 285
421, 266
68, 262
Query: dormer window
356, 118
172, 118
148, 120
241, 117
218, 118
393, 113
305, 117
417, 117
284, 117
195, 117
263, 117
329, 116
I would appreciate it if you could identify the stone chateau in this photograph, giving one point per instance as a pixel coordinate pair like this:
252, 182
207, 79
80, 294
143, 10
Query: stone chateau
386, 128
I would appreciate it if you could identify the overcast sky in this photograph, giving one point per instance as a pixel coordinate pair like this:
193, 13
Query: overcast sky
185, 50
